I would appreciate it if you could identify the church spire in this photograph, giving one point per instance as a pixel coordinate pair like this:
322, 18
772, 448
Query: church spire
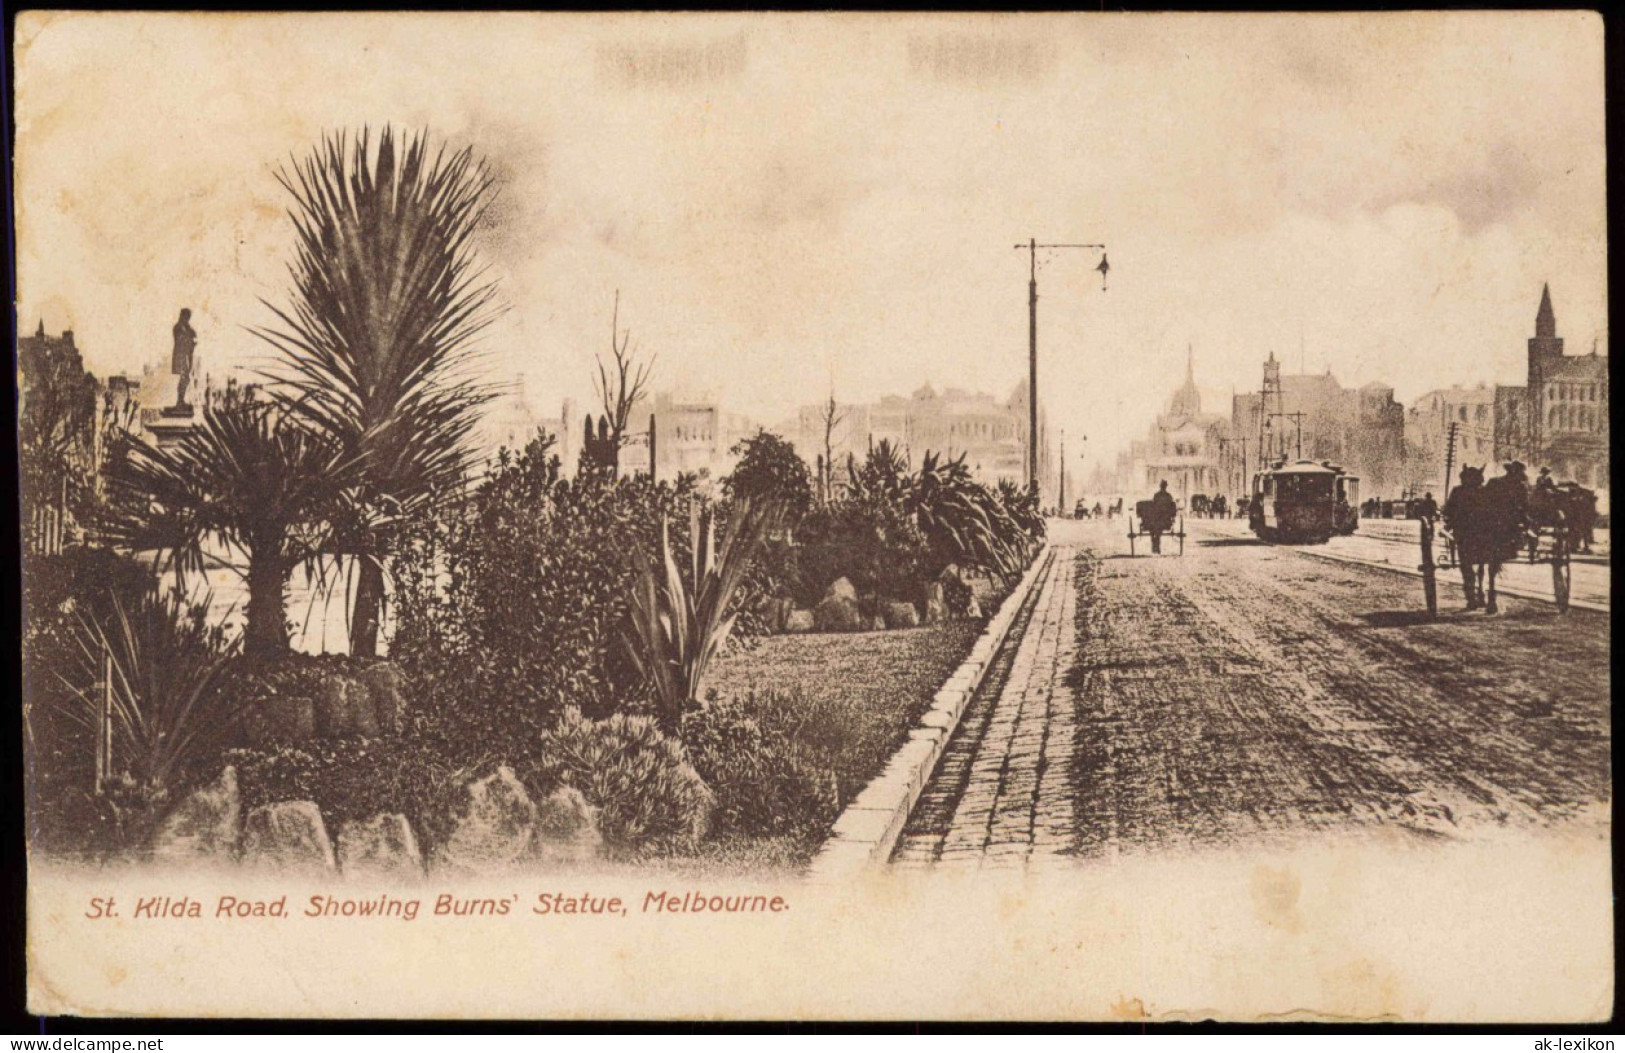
1545, 318
1187, 401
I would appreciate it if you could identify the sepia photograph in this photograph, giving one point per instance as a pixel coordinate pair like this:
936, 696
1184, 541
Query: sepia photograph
745, 516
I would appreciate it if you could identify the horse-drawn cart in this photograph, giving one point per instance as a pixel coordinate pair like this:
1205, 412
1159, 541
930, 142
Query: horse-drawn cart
1154, 520
1547, 538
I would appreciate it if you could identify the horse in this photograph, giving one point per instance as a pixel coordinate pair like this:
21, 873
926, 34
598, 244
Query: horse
1490, 524
1199, 505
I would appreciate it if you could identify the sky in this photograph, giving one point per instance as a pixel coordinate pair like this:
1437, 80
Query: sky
793, 204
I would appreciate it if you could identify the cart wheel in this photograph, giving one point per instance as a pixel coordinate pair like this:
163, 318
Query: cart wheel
1560, 572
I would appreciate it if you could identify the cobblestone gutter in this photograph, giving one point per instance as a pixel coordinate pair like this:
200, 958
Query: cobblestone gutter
868, 830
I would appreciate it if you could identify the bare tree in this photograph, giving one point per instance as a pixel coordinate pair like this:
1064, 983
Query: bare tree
830, 413
622, 380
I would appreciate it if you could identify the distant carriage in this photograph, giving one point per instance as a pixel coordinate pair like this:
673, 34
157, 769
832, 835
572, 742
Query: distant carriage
1150, 518
1304, 502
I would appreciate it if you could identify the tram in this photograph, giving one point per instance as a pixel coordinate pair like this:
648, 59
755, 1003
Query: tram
1304, 502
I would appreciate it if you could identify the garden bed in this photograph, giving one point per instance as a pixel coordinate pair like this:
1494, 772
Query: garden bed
846, 699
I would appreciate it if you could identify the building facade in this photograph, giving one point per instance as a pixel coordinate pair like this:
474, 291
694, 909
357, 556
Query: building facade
990, 434
1559, 417
1312, 416
1184, 446
1428, 422
694, 435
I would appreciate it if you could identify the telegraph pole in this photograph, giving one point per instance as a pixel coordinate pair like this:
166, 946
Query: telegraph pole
1032, 248
1449, 459
1062, 500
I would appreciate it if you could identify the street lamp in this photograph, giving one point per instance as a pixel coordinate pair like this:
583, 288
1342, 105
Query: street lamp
1032, 248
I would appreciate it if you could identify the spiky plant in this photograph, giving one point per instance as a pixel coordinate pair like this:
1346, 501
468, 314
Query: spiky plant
1022, 506
961, 519
167, 708
883, 476
378, 342
251, 478
679, 621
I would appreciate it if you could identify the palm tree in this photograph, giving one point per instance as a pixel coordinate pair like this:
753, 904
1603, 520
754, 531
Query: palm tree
387, 300
250, 477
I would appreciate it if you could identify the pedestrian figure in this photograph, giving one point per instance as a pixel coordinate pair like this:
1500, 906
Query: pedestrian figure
1427, 508
1161, 520
1098, 510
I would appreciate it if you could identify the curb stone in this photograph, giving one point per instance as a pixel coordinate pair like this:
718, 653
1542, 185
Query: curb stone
868, 829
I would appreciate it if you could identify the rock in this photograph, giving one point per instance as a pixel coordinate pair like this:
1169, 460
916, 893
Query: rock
288, 835
383, 846
494, 829
776, 613
280, 720
385, 682
842, 588
567, 828
799, 622
205, 825
936, 607
839, 614
901, 616
344, 709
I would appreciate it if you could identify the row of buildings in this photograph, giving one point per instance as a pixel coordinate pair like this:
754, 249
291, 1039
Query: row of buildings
989, 433
696, 434
692, 433
1558, 419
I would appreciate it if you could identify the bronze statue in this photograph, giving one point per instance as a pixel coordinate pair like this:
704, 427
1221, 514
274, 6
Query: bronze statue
180, 361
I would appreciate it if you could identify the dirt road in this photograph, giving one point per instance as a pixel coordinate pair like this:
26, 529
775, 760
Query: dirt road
1248, 692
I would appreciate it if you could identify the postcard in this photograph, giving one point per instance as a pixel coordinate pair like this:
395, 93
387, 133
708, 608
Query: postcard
1097, 517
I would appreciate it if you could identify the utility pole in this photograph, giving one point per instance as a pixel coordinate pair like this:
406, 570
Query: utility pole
1296, 417
1062, 501
1032, 248
1449, 459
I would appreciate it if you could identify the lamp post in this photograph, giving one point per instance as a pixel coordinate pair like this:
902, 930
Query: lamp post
1032, 248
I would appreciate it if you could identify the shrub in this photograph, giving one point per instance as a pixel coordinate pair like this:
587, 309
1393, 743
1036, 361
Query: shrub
648, 794
964, 522
510, 605
1021, 504
871, 542
764, 786
359, 778
770, 471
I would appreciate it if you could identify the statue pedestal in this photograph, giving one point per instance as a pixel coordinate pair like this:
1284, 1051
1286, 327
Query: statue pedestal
172, 424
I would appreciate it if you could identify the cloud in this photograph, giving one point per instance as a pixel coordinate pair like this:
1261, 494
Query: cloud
780, 196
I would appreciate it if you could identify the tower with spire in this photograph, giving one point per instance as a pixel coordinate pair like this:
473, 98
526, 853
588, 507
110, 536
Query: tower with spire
1187, 401
1559, 419
1545, 347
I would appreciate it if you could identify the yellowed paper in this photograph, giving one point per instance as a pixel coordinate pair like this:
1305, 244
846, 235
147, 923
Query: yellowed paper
1247, 778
